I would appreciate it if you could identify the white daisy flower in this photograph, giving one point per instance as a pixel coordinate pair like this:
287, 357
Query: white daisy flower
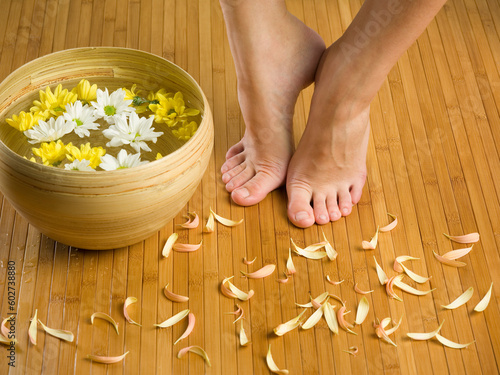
109, 106
124, 160
135, 131
79, 165
82, 116
49, 131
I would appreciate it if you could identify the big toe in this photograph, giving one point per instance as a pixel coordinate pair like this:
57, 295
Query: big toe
255, 189
300, 211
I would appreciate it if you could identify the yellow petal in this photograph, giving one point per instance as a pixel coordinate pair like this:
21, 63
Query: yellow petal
408, 289
382, 277
106, 317
107, 360
59, 333
288, 326
192, 222
196, 350
449, 262
373, 242
450, 343
33, 328
399, 260
393, 329
389, 287
357, 290
330, 251
425, 336
169, 244
333, 282
186, 247
363, 308
466, 238
313, 319
412, 275
209, 228
249, 262
330, 317
311, 248
128, 302
226, 222
189, 329
241, 295
174, 297
483, 304
319, 299
173, 320
272, 365
290, 267
243, 336
265, 271
314, 254
467, 295
225, 290
391, 225
455, 254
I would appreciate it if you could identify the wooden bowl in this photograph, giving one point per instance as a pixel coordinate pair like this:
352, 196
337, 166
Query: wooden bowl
103, 209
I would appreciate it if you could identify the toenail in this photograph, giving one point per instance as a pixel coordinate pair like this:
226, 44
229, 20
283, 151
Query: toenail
243, 193
335, 215
322, 218
225, 177
302, 215
345, 211
229, 185
224, 169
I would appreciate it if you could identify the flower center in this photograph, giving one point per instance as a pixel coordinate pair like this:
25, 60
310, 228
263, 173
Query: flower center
58, 109
109, 110
170, 111
78, 122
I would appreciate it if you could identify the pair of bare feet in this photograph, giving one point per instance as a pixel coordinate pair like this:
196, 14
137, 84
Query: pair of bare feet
276, 56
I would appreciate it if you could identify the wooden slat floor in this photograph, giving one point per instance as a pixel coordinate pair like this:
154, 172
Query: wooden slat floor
433, 160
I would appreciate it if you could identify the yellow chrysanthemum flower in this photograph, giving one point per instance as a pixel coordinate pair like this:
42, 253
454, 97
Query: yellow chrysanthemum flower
52, 153
25, 120
171, 110
93, 154
53, 103
185, 131
138, 102
153, 96
85, 92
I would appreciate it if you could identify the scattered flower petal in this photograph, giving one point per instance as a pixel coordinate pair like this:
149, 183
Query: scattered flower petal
243, 336
342, 322
209, 228
382, 277
192, 222
466, 238
357, 290
330, 251
128, 302
234, 292
189, 329
450, 343
59, 333
173, 320
373, 242
412, 275
337, 298
249, 262
288, 326
449, 262
167, 249
33, 328
319, 299
272, 365
391, 225
455, 254
393, 329
313, 319
389, 287
186, 247
466, 296
333, 282
363, 308
408, 289
5, 331
174, 297
226, 222
310, 254
107, 360
284, 281
425, 336
290, 267
483, 304
311, 248
106, 317
399, 260
265, 271
330, 317
353, 350
196, 350
224, 290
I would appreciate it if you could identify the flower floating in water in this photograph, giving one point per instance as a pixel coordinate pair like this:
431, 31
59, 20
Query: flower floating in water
85, 152
110, 106
82, 116
53, 103
49, 131
25, 120
186, 130
135, 131
52, 153
124, 160
140, 104
85, 92
171, 110
79, 165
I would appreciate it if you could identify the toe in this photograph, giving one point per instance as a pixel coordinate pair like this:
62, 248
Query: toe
240, 179
234, 150
255, 189
320, 211
300, 211
232, 162
356, 191
226, 177
345, 202
333, 207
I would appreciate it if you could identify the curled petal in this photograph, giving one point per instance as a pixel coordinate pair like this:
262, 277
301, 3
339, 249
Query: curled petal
448, 262
233, 291
243, 336
193, 221
362, 312
399, 260
372, 244
128, 302
483, 304
333, 282
225, 290
186, 248
408, 289
393, 329
330, 251
357, 290
249, 262
284, 281
272, 365
342, 322
466, 296
337, 298
59, 333
167, 249
224, 221
389, 287
107, 360
466, 238
425, 336
311, 248
290, 268
391, 225
310, 254
3, 328
189, 329
288, 326
106, 317
174, 319
382, 277
383, 335
209, 228
174, 297
265, 271
33, 328
412, 275
330, 317
196, 350
6, 341
319, 299
450, 343
313, 319
353, 350
455, 254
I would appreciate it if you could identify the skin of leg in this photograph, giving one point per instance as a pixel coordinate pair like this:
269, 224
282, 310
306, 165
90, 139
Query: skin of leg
328, 170
275, 56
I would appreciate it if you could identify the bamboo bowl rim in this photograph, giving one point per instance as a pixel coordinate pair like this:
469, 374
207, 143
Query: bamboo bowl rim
94, 175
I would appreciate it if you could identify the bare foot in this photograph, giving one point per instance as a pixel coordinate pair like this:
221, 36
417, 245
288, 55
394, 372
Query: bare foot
327, 172
276, 56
